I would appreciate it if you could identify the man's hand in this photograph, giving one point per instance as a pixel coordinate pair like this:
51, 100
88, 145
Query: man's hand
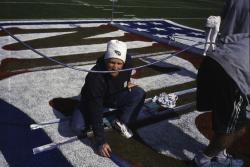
104, 150
130, 85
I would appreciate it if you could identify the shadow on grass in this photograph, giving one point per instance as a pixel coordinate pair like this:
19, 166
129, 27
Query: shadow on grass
17, 141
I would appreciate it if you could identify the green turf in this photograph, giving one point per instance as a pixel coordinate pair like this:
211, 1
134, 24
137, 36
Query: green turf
168, 9
191, 13
137, 153
171, 89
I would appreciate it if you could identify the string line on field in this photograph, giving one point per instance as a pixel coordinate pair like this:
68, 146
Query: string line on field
96, 71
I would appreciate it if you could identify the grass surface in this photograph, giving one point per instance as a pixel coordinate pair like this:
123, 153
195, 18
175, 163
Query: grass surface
187, 12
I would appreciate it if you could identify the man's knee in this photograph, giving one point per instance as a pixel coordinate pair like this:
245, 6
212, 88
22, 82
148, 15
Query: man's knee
138, 92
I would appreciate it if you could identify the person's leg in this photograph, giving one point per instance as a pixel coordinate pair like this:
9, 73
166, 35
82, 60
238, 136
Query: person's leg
215, 32
204, 99
213, 37
208, 40
130, 104
221, 142
228, 109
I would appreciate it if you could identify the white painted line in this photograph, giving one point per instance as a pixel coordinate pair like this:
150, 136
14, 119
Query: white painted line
98, 7
57, 26
6, 40
163, 7
67, 50
118, 12
129, 15
42, 3
118, 33
107, 9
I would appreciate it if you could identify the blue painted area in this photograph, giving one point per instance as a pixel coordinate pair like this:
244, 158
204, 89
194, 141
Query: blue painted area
162, 27
118, 161
17, 141
164, 31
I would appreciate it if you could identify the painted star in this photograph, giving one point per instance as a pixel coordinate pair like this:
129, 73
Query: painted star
158, 29
124, 24
161, 36
175, 28
140, 29
195, 33
141, 24
178, 34
156, 23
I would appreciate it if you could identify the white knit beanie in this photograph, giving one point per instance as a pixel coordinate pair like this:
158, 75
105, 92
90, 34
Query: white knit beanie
116, 49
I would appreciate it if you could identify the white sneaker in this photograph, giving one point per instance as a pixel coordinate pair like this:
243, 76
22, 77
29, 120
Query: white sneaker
228, 162
195, 163
121, 127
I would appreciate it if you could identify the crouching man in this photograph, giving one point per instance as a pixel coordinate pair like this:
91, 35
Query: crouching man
113, 90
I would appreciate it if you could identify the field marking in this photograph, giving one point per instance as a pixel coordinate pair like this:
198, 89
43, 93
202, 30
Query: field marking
102, 6
30, 93
129, 15
185, 3
6, 40
118, 12
107, 9
118, 33
57, 26
67, 50
81, 3
162, 137
158, 7
187, 18
40, 3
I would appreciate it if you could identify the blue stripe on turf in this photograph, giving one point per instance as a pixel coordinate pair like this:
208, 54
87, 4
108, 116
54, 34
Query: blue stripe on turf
119, 162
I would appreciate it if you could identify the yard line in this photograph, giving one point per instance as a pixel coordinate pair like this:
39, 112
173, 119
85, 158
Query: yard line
158, 7
118, 33
167, 2
56, 26
107, 9
187, 18
98, 7
40, 3
129, 15
81, 2
6, 40
118, 12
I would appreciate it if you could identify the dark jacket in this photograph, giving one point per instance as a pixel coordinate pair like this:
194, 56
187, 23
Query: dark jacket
98, 91
232, 51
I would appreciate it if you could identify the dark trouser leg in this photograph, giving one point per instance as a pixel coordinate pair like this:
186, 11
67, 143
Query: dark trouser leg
219, 93
130, 104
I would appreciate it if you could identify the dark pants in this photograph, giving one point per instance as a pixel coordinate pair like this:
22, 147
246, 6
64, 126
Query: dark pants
127, 104
216, 91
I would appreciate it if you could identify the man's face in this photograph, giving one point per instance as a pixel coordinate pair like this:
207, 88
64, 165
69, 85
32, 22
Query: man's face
114, 64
